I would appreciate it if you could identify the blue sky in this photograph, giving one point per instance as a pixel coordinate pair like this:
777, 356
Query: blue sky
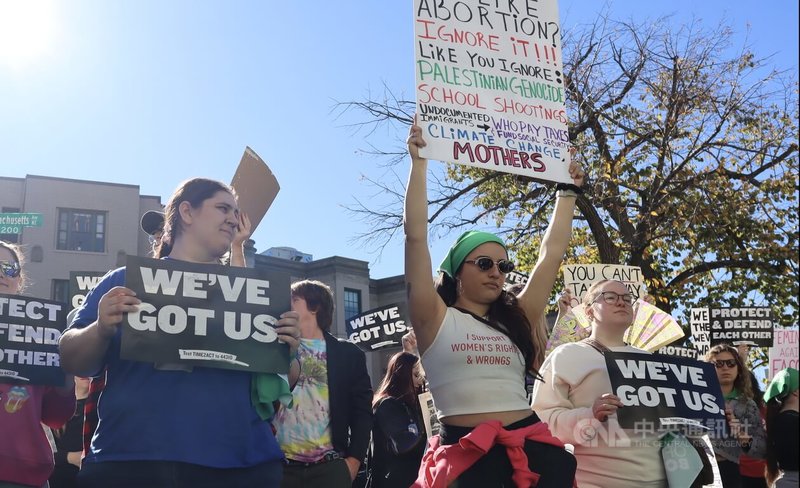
151, 93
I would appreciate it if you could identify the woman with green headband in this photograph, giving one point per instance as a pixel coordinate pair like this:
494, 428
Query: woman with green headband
782, 426
476, 346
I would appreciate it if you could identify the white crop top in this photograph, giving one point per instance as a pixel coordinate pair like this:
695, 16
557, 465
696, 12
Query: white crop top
472, 368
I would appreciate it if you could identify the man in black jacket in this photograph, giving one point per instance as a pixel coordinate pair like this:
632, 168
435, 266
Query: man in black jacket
325, 433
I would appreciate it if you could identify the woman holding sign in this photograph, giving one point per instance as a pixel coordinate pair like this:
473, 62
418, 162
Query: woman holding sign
575, 400
26, 458
476, 345
745, 432
165, 426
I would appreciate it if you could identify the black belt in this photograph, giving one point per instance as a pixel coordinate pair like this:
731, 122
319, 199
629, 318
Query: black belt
328, 457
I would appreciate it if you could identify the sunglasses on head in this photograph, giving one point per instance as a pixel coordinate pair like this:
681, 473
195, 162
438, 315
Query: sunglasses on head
728, 363
485, 264
12, 270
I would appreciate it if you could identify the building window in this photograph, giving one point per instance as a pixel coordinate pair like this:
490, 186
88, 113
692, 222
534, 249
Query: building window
12, 238
81, 230
61, 291
352, 303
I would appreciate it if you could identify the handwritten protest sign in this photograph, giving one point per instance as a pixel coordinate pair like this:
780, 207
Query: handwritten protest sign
785, 352
653, 386
29, 333
741, 325
256, 187
378, 328
489, 86
205, 315
579, 277
80, 283
701, 329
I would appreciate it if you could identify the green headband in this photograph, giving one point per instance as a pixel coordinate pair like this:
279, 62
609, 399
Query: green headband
783, 384
464, 245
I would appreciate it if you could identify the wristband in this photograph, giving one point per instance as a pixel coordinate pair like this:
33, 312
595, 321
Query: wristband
567, 194
569, 187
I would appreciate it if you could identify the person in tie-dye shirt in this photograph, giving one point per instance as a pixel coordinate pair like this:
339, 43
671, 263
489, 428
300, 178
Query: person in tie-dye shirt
325, 433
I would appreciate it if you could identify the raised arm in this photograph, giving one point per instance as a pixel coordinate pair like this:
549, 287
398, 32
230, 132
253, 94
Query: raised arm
533, 298
426, 308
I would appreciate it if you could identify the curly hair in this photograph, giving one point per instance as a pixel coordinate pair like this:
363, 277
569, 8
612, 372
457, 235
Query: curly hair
742, 381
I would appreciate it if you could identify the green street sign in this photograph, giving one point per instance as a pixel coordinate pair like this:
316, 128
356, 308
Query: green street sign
12, 223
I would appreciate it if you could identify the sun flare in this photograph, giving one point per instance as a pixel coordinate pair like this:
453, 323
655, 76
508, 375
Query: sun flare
26, 30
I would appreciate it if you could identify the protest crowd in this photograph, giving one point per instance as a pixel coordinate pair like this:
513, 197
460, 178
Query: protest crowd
108, 419
189, 368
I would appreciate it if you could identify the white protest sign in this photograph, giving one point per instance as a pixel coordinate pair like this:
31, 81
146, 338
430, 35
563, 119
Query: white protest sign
784, 353
700, 324
429, 416
579, 277
489, 85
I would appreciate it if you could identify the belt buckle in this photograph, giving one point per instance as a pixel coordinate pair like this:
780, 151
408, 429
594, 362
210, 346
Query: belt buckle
330, 456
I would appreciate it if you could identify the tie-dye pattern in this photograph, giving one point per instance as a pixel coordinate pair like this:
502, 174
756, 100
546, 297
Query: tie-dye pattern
304, 431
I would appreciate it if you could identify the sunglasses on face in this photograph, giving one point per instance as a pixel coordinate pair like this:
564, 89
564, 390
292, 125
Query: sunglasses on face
12, 270
611, 297
485, 264
728, 363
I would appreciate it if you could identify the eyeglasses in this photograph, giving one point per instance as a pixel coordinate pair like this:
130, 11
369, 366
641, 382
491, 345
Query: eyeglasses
611, 297
485, 264
728, 363
12, 270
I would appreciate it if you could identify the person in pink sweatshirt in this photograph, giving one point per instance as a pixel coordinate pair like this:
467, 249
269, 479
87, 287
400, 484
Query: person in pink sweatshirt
26, 458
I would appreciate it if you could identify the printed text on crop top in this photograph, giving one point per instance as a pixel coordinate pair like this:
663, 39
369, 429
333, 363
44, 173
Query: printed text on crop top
472, 368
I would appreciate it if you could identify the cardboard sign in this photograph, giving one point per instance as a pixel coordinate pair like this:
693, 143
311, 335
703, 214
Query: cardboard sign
80, 284
29, 332
741, 325
205, 315
653, 386
785, 352
429, 415
256, 187
378, 328
489, 86
579, 277
701, 330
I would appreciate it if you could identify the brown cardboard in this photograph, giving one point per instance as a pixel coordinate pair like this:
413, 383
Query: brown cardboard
256, 187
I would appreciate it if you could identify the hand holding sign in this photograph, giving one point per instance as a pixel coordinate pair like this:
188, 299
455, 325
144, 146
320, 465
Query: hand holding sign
607, 404
288, 329
243, 230
415, 141
113, 305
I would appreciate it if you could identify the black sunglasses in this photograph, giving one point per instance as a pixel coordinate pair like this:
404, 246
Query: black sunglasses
728, 363
485, 264
12, 270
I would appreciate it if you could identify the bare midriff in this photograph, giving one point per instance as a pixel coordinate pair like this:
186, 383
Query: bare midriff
473, 419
